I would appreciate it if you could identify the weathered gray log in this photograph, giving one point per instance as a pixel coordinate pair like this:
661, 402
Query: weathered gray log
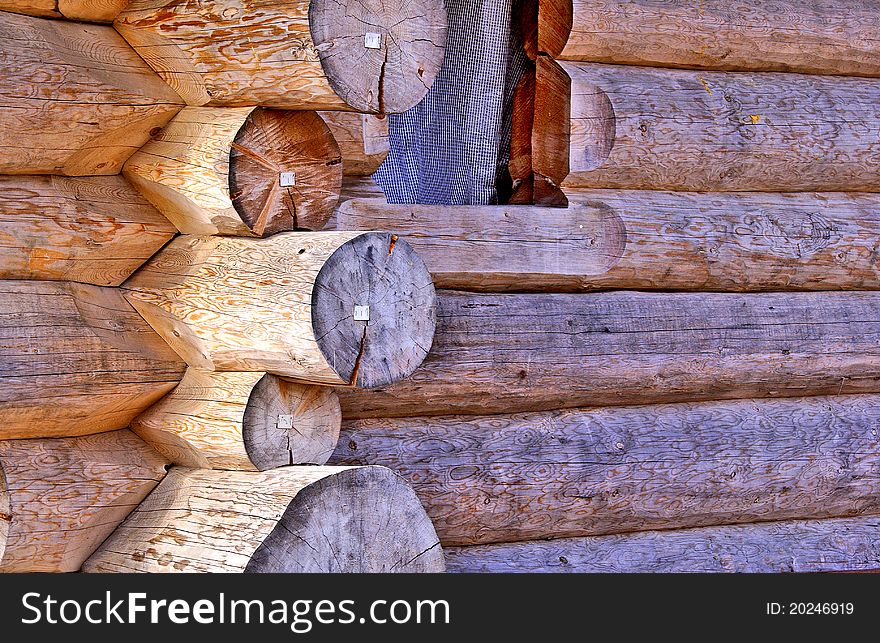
511, 353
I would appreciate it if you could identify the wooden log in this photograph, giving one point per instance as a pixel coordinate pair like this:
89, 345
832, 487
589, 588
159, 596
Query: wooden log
843, 544
642, 240
75, 99
77, 359
95, 230
362, 138
81, 10
337, 308
555, 22
560, 474
242, 421
241, 171
834, 37
64, 496
293, 519
368, 56
511, 353
522, 124
551, 132
667, 129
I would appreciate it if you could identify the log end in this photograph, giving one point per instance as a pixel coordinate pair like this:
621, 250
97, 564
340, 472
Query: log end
374, 310
359, 520
379, 56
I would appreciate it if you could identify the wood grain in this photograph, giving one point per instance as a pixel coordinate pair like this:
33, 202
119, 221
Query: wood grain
558, 474
511, 353
293, 519
76, 359
644, 240
362, 139
667, 129
828, 37
64, 496
82, 10
551, 132
95, 230
75, 99
555, 21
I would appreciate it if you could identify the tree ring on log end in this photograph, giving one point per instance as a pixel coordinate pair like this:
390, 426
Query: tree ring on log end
285, 171
314, 419
389, 284
360, 520
397, 74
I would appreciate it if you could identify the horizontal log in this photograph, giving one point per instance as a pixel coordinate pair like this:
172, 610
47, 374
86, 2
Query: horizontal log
845, 544
77, 359
511, 353
64, 496
645, 240
242, 421
82, 10
367, 56
832, 37
293, 519
337, 308
95, 230
75, 99
668, 129
362, 138
559, 474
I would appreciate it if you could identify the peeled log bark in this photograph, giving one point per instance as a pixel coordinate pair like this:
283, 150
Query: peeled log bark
504, 478
95, 230
74, 99
836, 545
364, 55
82, 10
832, 37
64, 496
76, 360
241, 171
511, 353
294, 519
338, 308
362, 138
243, 421
666, 129
628, 239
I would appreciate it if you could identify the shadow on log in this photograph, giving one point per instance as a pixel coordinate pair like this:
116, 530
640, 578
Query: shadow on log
362, 138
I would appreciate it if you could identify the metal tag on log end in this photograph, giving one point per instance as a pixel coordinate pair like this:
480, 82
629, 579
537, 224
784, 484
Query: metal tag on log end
372, 40
287, 179
362, 313
285, 421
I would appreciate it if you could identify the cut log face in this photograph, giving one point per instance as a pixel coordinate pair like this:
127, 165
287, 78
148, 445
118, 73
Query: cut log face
241, 171
804, 36
836, 545
63, 497
555, 21
100, 98
505, 478
82, 10
509, 353
243, 421
368, 56
345, 309
551, 132
362, 138
95, 230
76, 359
294, 519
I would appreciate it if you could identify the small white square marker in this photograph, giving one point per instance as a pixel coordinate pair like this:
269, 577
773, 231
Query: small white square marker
362, 313
372, 40
287, 179
285, 421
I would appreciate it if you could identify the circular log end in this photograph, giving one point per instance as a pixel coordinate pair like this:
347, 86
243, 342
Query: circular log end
374, 310
379, 56
359, 520
288, 423
285, 171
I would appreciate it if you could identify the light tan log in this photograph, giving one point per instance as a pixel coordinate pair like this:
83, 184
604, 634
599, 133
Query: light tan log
242, 421
368, 56
511, 353
293, 519
287, 305
833, 37
77, 359
241, 171
95, 230
659, 129
64, 496
74, 99
835, 545
558, 474
362, 138
82, 10
643, 240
